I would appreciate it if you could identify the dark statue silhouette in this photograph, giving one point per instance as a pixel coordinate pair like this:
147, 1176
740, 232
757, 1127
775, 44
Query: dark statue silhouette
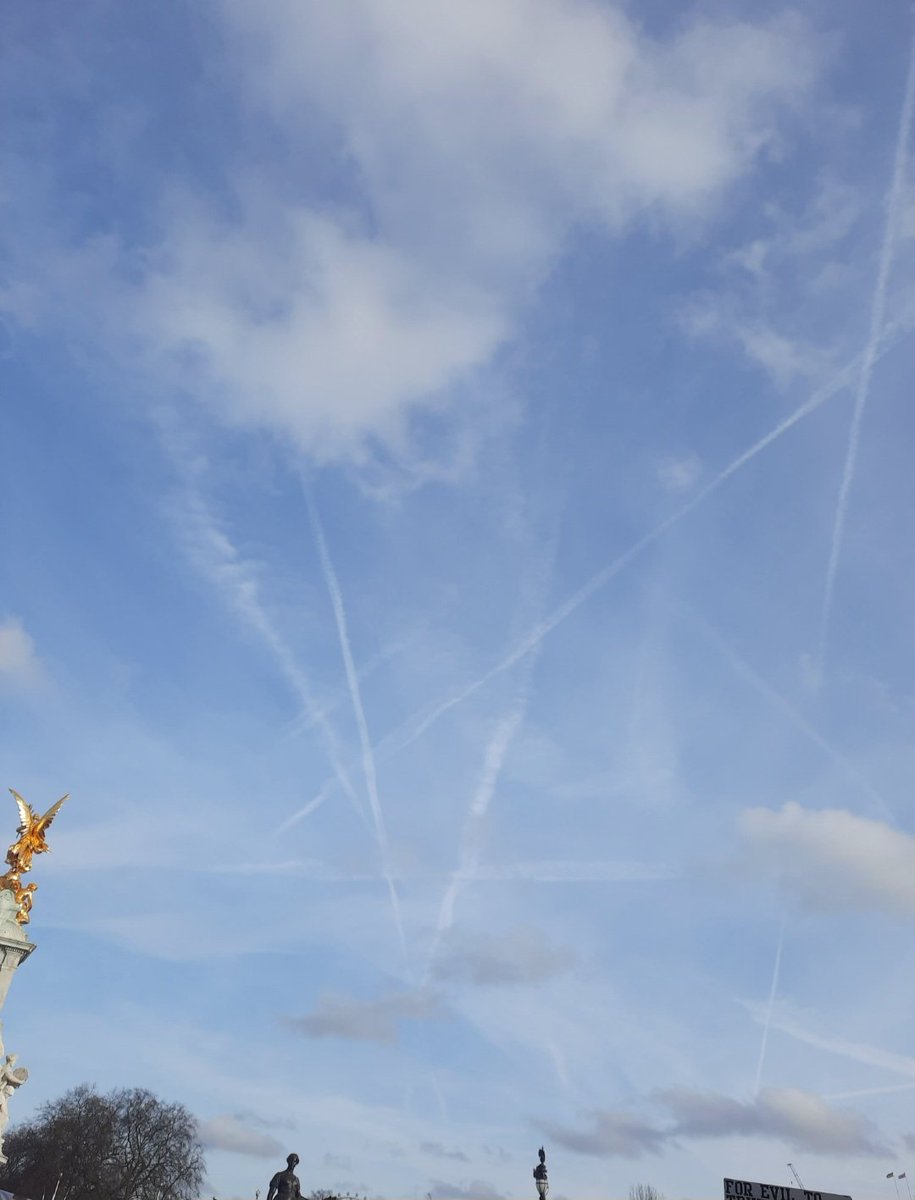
285, 1184
540, 1176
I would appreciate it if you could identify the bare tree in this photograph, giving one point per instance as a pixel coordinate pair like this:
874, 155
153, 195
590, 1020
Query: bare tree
644, 1191
126, 1145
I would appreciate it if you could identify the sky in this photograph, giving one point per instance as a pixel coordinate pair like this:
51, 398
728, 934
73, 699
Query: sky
456, 554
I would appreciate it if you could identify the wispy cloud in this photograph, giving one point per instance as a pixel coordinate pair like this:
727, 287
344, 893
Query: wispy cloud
476, 1189
20, 667
519, 956
894, 206
234, 1133
368, 1020
437, 1150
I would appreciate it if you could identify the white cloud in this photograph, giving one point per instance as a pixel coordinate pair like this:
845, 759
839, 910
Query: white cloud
367, 1020
522, 955
480, 135
476, 1189
832, 860
234, 1134
292, 323
437, 1150
20, 666
612, 1134
798, 1118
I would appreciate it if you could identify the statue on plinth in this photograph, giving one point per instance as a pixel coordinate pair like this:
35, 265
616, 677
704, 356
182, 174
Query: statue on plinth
31, 841
285, 1184
540, 1176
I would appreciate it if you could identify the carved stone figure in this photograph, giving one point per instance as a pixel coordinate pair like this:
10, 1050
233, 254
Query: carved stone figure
285, 1184
540, 1176
11, 1077
31, 841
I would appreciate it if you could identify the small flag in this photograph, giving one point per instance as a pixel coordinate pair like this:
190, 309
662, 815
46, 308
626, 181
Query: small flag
889, 1174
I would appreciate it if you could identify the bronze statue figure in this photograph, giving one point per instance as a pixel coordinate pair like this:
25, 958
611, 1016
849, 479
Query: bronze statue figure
285, 1184
31, 841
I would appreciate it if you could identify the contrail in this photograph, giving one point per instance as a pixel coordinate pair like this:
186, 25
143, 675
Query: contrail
493, 761
536, 871
324, 793
352, 681
776, 970
496, 751
415, 726
748, 673
875, 1091
872, 1056
603, 576
216, 557
894, 200
302, 722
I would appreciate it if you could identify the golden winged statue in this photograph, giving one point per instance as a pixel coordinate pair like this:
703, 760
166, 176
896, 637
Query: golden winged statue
31, 841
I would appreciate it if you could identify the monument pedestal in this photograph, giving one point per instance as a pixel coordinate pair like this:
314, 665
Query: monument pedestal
15, 948
12, 953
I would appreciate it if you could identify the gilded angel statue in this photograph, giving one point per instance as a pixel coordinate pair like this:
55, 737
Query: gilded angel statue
31, 841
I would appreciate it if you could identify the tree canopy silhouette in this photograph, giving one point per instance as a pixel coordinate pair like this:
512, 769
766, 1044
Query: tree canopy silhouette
126, 1145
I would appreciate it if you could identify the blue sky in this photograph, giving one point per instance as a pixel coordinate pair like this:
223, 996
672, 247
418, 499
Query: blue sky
456, 555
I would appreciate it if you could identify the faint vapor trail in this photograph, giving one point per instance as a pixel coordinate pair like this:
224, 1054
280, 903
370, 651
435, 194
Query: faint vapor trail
872, 1056
416, 725
603, 576
301, 723
352, 681
776, 970
324, 793
743, 669
496, 751
214, 555
493, 761
875, 1091
537, 871
894, 199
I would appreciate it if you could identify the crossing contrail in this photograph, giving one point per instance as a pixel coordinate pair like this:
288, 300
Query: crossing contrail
894, 200
751, 676
493, 761
773, 989
215, 556
416, 725
597, 581
352, 681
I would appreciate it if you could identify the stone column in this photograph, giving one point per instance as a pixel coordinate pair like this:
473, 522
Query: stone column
15, 948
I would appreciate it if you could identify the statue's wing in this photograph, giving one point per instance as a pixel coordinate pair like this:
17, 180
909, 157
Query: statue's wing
52, 812
26, 816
